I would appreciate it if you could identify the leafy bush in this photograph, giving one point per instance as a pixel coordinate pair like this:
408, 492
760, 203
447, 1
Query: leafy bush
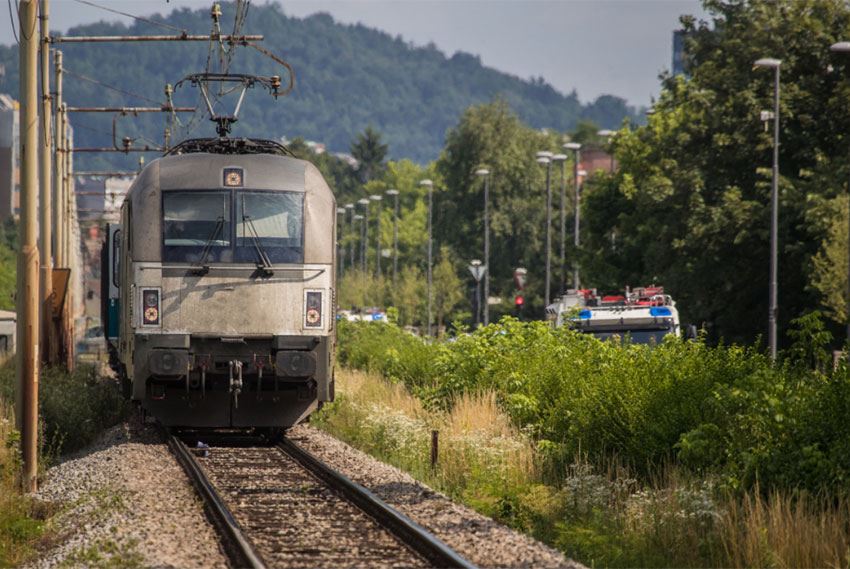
74, 407
726, 409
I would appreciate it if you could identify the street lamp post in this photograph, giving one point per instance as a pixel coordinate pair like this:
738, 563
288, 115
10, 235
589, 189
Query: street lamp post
562, 158
575, 147
773, 310
340, 250
394, 193
377, 199
485, 173
844, 47
350, 208
545, 158
364, 231
430, 185
478, 271
358, 217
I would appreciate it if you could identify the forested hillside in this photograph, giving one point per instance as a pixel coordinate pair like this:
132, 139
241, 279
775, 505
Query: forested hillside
347, 77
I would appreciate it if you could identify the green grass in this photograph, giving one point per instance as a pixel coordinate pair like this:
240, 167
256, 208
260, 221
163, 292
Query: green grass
8, 272
74, 409
601, 514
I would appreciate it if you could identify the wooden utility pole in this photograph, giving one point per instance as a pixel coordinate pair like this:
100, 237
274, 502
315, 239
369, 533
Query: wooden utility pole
71, 244
58, 161
28, 257
48, 339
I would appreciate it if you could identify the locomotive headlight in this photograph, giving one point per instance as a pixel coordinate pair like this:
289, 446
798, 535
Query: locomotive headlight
150, 307
313, 309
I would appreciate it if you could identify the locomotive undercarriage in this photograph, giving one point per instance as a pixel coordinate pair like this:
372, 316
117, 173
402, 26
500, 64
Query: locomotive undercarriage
198, 381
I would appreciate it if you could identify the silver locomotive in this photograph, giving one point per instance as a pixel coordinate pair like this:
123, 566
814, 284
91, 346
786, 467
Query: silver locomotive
223, 268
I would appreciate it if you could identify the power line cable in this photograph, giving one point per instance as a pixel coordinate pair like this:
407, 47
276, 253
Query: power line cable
76, 125
112, 87
139, 18
12, 21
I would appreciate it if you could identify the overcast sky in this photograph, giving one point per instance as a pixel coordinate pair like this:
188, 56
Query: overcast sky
592, 46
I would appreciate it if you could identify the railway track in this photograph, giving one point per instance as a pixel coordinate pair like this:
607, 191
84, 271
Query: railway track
280, 506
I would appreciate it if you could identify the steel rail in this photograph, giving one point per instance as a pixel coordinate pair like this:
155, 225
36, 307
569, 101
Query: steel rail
237, 547
409, 532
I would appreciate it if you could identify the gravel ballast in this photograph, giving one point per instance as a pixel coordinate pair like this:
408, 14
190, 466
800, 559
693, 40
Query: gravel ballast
125, 502
480, 539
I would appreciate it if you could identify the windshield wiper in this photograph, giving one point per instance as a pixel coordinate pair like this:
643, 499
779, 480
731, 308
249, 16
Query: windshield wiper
265, 265
203, 268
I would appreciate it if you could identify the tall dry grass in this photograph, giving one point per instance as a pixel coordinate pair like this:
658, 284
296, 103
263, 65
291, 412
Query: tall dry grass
786, 530
477, 442
600, 514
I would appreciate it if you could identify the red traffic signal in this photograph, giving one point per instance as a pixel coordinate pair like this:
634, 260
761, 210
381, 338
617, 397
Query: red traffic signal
519, 300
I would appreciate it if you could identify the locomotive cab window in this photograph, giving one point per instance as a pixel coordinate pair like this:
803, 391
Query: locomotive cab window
271, 222
199, 226
196, 224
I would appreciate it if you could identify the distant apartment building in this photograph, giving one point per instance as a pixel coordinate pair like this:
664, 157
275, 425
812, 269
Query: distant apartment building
100, 197
594, 159
10, 162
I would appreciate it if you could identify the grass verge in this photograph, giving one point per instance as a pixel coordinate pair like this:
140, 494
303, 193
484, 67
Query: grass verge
74, 408
599, 514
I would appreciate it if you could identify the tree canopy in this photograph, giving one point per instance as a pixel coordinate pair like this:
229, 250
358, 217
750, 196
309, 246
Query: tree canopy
690, 204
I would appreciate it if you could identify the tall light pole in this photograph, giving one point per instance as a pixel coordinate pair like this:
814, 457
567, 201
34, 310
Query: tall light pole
476, 268
773, 310
394, 193
430, 185
340, 261
358, 217
608, 135
364, 231
377, 199
485, 173
575, 147
844, 47
562, 158
350, 209
545, 158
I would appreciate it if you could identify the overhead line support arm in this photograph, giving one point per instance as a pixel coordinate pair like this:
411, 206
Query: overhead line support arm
226, 38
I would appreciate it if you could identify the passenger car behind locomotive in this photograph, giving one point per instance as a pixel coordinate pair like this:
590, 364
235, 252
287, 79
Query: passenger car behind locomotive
223, 268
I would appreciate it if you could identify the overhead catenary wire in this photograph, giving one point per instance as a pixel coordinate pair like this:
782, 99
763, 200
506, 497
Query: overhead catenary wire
138, 18
12, 21
111, 87
32, 32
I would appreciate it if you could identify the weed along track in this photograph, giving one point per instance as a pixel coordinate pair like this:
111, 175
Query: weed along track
279, 506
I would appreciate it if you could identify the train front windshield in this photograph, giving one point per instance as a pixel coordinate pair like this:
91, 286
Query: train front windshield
233, 226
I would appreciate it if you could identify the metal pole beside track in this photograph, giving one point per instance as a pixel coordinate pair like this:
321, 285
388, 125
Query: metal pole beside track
28, 256
46, 180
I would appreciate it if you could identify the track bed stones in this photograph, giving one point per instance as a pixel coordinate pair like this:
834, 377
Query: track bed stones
125, 502
478, 538
293, 519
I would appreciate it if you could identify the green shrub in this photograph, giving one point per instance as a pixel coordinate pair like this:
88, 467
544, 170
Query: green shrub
73, 407
726, 410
